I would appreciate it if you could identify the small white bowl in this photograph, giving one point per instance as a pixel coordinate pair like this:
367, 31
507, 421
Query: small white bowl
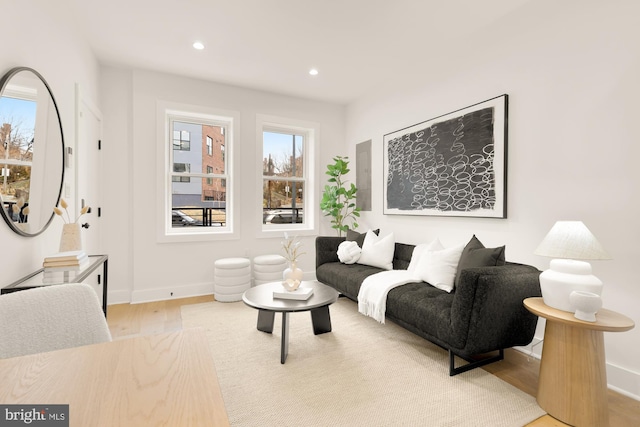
586, 305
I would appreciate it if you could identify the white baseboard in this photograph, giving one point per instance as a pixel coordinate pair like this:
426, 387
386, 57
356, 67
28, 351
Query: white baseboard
173, 292
623, 381
118, 297
619, 379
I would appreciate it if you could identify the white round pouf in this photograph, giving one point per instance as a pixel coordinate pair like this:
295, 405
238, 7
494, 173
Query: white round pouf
268, 268
232, 276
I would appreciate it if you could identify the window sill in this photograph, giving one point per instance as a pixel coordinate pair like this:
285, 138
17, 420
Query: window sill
196, 236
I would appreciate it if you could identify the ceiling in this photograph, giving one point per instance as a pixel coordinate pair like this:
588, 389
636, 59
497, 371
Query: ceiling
271, 44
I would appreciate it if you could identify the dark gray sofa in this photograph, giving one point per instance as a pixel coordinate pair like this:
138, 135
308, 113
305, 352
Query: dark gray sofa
484, 314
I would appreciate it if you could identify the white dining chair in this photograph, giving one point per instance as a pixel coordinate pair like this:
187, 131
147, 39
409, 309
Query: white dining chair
50, 318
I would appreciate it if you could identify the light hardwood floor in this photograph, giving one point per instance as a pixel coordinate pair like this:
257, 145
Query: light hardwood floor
127, 320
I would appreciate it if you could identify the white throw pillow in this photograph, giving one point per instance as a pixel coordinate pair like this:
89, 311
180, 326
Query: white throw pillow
438, 267
349, 252
378, 251
419, 250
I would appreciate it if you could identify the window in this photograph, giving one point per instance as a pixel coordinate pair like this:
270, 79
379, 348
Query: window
197, 200
181, 140
181, 167
209, 146
288, 194
209, 172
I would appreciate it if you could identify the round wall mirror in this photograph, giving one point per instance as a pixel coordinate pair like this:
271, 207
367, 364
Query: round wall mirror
31, 152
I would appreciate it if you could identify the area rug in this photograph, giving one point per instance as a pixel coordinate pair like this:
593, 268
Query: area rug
361, 374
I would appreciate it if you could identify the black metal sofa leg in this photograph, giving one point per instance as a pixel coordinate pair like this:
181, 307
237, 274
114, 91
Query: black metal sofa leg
472, 364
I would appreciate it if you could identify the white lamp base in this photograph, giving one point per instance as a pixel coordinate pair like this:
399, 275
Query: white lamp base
565, 276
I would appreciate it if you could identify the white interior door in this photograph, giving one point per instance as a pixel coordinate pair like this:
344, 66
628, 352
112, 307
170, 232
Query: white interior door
88, 171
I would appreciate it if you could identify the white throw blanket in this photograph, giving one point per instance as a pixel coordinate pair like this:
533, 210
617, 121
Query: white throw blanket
372, 297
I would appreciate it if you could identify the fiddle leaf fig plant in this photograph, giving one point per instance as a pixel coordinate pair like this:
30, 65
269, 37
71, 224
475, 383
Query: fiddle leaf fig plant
338, 199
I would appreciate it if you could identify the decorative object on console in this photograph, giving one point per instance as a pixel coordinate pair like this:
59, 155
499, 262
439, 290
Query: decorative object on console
292, 275
569, 241
66, 259
71, 239
452, 165
337, 200
64, 267
586, 305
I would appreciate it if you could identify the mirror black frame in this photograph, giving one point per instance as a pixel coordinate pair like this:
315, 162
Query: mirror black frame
3, 83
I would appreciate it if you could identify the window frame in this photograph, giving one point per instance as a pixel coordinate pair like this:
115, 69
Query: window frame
167, 113
310, 132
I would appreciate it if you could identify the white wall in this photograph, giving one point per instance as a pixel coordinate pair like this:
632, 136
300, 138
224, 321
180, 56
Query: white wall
141, 269
571, 70
40, 35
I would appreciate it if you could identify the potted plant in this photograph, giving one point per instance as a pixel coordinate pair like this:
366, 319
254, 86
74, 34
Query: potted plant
338, 200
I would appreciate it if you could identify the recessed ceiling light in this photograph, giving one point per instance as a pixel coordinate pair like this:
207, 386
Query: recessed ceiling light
198, 45
313, 72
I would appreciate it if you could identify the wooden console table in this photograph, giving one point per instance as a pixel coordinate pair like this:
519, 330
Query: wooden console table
573, 380
165, 379
34, 279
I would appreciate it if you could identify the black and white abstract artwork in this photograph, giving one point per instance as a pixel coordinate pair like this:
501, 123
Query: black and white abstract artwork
452, 165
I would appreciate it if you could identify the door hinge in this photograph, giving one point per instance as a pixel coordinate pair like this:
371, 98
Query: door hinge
99, 144
99, 279
99, 212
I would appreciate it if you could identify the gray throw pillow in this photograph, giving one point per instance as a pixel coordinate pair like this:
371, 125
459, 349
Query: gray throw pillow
354, 236
476, 255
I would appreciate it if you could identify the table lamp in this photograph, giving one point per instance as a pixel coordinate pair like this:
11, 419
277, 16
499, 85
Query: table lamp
569, 241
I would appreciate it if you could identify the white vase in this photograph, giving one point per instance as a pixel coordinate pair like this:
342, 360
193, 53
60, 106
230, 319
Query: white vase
586, 305
292, 277
70, 239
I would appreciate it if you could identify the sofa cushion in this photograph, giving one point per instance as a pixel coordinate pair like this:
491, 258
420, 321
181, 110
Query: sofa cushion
419, 249
427, 309
354, 236
438, 267
378, 251
475, 254
344, 278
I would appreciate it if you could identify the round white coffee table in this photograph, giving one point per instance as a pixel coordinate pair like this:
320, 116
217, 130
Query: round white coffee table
261, 297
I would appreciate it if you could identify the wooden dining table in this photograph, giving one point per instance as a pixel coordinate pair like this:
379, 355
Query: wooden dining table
167, 379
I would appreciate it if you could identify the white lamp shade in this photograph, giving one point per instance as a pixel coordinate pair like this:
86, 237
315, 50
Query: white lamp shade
572, 240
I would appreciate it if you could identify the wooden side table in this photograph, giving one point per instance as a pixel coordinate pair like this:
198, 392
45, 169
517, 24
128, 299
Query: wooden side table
573, 381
